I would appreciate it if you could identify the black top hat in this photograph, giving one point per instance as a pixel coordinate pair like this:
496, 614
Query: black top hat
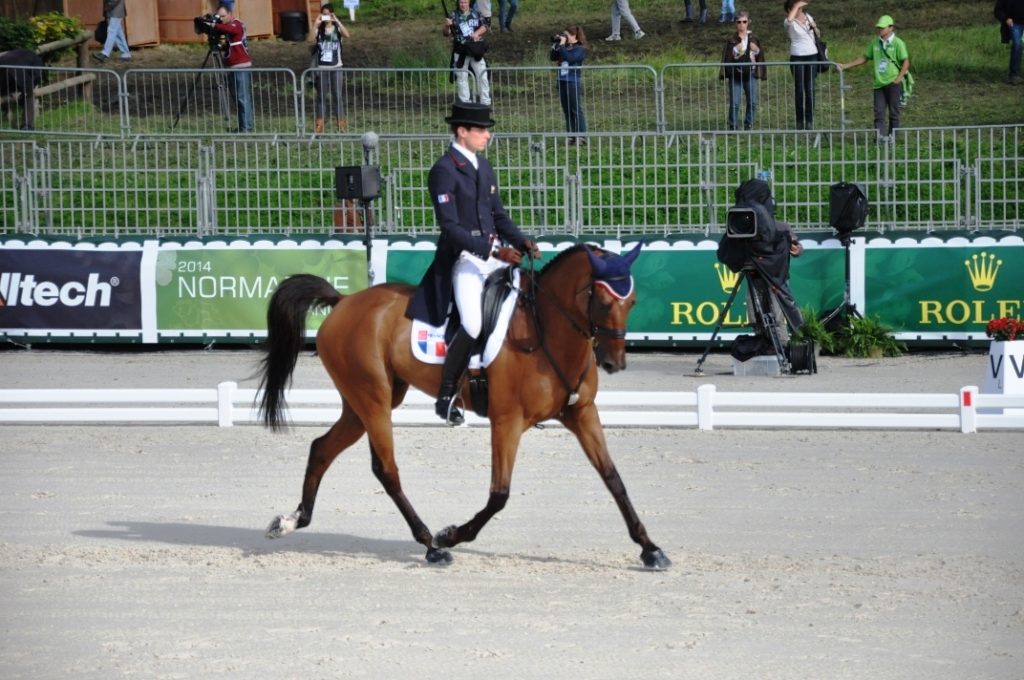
470, 114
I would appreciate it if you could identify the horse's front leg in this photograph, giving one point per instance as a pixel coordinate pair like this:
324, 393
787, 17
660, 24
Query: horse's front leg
505, 438
585, 423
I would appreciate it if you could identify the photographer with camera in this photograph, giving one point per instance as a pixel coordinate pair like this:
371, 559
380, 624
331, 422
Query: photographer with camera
328, 75
466, 28
569, 49
232, 44
742, 66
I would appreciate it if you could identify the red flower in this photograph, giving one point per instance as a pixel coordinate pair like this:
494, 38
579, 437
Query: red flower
1004, 329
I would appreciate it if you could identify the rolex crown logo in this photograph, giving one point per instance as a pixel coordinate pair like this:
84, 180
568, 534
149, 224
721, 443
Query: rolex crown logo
726, 278
983, 269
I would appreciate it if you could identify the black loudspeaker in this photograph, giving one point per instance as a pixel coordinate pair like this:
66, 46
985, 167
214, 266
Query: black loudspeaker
848, 207
357, 182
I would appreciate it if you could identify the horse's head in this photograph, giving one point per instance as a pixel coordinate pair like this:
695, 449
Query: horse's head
611, 299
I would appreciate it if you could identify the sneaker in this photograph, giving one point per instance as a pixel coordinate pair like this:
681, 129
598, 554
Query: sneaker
1013, 80
99, 56
638, 35
613, 37
126, 57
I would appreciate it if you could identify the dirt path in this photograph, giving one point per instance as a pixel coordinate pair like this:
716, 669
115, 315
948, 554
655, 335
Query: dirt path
139, 551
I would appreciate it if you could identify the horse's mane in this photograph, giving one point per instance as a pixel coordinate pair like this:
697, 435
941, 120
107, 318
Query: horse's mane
565, 254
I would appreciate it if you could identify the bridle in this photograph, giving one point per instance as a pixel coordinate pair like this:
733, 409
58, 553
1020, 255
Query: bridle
589, 330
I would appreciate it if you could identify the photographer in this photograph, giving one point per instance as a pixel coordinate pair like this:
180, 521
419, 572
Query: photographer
743, 65
466, 28
237, 58
327, 60
765, 255
569, 49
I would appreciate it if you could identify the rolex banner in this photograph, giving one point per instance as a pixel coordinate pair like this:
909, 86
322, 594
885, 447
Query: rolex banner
681, 292
943, 291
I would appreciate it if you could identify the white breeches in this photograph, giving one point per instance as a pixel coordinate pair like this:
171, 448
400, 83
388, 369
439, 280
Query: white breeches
468, 276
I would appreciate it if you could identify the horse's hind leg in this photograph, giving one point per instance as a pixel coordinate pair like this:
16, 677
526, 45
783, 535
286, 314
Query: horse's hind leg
586, 425
322, 453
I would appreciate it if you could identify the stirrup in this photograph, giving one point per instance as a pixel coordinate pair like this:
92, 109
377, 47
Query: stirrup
446, 410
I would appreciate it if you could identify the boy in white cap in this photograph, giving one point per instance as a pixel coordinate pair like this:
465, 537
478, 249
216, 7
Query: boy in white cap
890, 63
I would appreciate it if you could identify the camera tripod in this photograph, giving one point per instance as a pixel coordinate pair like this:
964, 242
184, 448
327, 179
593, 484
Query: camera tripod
764, 317
213, 54
847, 309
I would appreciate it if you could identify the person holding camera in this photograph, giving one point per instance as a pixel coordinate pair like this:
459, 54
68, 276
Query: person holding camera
328, 78
466, 27
569, 49
477, 238
238, 60
742, 66
114, 13
803, 53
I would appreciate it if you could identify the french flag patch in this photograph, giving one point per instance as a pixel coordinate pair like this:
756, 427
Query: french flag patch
421, 340
443, 198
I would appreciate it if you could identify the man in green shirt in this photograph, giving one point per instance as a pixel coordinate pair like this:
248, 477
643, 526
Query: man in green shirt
890, 62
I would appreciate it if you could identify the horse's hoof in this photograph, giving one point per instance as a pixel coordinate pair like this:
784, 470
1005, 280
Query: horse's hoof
445, 538
282, 525
655, 560
441, 557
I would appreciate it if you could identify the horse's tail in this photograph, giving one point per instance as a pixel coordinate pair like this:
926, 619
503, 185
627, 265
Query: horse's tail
286, 334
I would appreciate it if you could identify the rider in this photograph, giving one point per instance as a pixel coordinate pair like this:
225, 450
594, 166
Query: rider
477, 238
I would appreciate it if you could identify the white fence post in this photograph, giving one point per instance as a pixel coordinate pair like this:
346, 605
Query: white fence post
225, 403
969, 409
705, 407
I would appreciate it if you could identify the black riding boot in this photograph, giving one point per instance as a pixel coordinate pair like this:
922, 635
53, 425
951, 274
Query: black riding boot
455, 362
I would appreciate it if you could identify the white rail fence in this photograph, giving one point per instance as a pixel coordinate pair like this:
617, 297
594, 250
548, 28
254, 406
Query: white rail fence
706, 409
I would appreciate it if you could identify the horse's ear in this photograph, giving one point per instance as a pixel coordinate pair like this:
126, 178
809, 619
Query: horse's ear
597, 265
633, 254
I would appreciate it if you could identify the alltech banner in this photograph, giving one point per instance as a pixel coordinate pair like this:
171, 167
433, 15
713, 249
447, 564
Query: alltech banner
223, 290
65, 289
943, 290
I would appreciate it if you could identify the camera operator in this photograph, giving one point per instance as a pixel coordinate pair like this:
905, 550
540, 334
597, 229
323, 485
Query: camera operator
328, 76
767, 254
569, 49
237, 58
466, 27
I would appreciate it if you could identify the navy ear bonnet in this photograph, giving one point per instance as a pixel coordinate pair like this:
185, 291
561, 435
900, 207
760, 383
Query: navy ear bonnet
613, 270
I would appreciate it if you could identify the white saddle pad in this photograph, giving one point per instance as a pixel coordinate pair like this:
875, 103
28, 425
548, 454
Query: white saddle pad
428, 343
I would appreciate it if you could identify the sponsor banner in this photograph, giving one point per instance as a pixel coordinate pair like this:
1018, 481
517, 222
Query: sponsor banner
408, 266
219, 290
682, 292
944, 290
44, 289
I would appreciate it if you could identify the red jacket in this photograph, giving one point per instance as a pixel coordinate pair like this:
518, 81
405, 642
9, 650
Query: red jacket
237, 56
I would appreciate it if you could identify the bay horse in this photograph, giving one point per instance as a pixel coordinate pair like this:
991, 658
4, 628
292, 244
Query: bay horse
569, 317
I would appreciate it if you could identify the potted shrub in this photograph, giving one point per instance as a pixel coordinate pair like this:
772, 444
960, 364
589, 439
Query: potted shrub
1005, 370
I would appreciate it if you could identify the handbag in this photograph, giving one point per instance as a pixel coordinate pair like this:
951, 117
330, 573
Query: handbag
100, 34
822, 48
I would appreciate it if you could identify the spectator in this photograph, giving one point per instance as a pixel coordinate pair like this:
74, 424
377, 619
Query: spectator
466, 28
728, 13
484, 8
114, 12
1011, 25
328, 79
620, 10
803, 53
505, 19
742, 66
23, 81
239, 61
569, 52
351, 6
703, 19
890, 62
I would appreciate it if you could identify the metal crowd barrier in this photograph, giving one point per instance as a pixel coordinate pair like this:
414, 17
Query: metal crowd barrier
201, 102
928, 180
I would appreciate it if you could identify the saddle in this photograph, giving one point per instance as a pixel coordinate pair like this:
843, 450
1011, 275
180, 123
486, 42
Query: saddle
499, 302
